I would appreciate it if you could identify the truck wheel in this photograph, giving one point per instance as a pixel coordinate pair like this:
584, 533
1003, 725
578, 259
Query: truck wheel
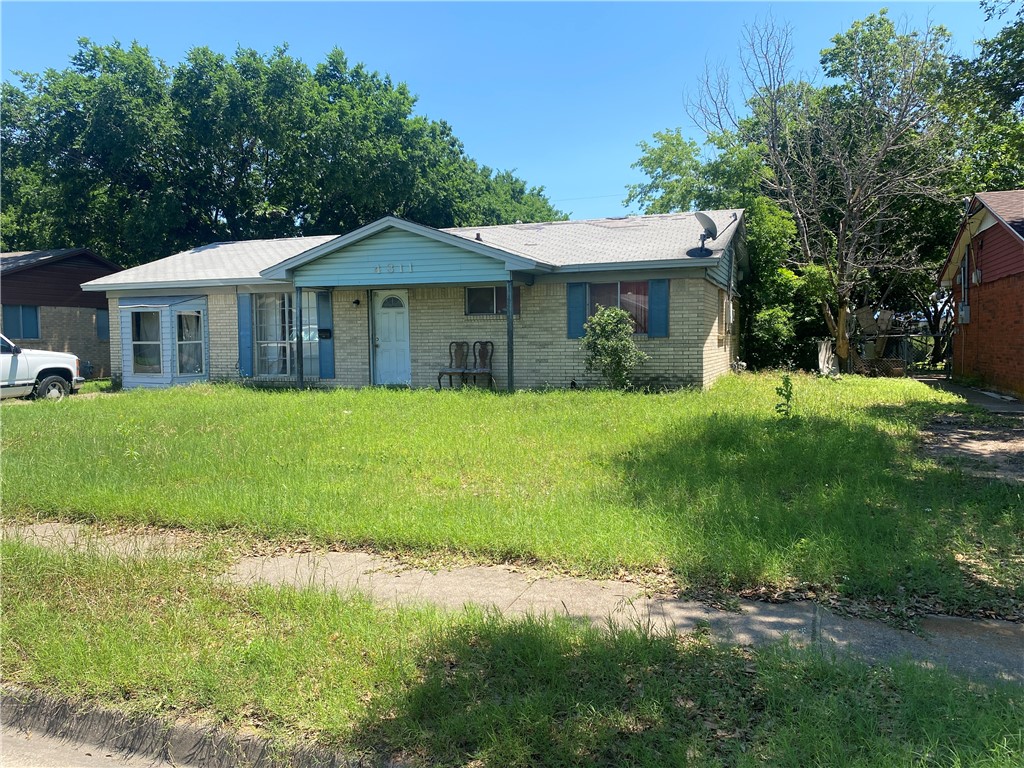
53, 388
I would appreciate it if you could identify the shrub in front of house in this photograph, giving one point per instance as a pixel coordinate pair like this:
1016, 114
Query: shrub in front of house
611, 351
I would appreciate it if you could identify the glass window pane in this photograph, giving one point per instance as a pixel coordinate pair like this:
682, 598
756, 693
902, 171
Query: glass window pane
480, 301
103, 324
603, 294
190, 359
633, 297
392, 302
146, 357
146, 326
189, 326
273, 358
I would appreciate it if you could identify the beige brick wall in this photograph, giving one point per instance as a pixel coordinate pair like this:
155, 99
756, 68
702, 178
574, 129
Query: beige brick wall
71, 330
718, 345
544, 355
115, 339
351, 338
222, 319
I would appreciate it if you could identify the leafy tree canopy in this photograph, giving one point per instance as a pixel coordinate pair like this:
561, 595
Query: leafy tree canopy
138, 160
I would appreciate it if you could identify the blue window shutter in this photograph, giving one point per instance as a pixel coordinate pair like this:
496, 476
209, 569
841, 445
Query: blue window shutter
12, 321
325, 321
657, 318
245, 334
30, 322
576, 308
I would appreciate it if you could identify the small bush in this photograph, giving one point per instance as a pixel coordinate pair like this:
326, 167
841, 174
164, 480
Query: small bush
608, 342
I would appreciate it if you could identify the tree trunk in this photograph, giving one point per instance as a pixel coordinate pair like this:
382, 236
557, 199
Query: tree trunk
842, 338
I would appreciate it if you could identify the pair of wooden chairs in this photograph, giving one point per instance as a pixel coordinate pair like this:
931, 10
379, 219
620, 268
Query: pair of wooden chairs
458, 362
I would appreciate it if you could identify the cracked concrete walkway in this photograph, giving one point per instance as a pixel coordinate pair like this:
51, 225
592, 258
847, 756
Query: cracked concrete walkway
987, 650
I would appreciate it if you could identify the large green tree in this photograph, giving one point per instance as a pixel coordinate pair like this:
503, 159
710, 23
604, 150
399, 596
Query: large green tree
778, 318
137, 160
870, 168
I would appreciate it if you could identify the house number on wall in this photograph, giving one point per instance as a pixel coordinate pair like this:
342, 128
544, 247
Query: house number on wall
392, 268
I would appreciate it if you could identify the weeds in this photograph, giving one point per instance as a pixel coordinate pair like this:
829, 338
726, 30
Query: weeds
702, 484
163, 637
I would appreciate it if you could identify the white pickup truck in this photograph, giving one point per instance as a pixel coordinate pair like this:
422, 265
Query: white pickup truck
37, 372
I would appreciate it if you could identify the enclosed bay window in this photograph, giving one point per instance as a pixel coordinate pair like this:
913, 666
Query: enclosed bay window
191, 347
146, 348
492, 300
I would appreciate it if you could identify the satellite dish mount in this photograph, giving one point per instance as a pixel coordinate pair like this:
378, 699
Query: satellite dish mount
710, 228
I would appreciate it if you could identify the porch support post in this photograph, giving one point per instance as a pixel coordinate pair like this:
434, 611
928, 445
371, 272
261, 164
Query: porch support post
299, 379
510, 332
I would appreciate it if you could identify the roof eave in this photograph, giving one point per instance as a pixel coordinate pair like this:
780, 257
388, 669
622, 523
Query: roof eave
688, 262
97, 285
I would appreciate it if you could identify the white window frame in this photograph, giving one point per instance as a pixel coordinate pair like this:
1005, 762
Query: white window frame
158, 343
178, 343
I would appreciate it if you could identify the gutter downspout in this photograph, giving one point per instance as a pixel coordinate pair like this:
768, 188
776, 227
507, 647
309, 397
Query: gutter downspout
510, 334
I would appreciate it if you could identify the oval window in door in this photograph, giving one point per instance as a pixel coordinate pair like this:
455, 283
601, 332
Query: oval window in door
392, 302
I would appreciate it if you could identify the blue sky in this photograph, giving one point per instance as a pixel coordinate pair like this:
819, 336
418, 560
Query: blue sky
560, 92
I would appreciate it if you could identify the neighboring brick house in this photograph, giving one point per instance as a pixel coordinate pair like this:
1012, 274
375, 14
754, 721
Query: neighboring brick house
45, 307
380, 305
985, 270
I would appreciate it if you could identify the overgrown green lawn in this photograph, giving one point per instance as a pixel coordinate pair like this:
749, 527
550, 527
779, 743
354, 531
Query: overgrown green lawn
714, 485
163, 636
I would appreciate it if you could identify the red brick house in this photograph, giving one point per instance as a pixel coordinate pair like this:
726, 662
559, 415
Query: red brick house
985, 270
44, 307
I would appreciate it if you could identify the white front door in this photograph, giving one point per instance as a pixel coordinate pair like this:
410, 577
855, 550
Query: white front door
391, 364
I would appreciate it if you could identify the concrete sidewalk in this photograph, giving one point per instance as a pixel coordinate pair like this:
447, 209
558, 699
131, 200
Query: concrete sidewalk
984, 650
990, 401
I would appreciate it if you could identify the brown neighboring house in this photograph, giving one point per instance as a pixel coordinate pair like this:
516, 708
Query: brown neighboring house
985, 270
44, 306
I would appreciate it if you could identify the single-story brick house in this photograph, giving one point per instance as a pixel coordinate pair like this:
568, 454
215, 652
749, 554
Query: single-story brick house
44, 306
381, 304
985, 270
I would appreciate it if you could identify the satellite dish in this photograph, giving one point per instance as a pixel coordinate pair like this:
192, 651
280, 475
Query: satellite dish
710, 228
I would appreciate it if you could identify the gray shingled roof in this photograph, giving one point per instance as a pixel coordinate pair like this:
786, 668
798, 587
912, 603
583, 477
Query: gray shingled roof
664, 237
233, 263
626, 240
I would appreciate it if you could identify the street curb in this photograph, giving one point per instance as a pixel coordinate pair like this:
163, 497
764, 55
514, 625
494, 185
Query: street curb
81, 721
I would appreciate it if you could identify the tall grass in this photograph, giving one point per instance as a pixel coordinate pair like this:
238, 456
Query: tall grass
160, 636
712, 485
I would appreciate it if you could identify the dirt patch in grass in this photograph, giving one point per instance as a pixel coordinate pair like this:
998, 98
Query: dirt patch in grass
992, 448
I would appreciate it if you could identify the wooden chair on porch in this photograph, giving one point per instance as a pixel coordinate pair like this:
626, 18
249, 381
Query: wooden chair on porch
458, 363
483, 352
